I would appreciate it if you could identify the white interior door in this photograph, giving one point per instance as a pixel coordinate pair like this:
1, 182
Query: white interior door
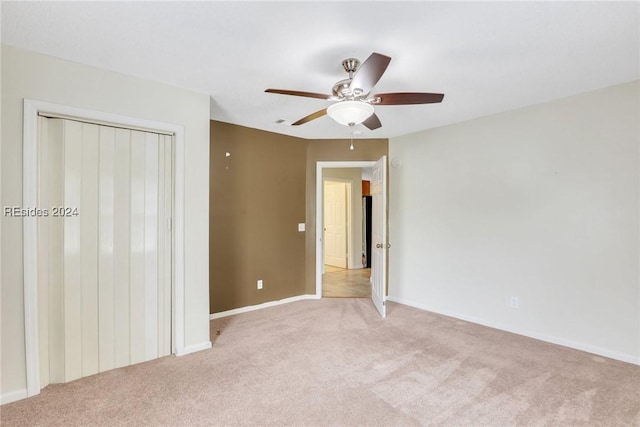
335, 224
379, 235
104, 289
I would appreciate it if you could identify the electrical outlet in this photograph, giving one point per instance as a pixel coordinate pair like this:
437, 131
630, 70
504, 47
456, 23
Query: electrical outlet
260, 284
515, 302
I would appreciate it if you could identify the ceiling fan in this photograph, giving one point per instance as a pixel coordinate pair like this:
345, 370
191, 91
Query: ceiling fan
355, 101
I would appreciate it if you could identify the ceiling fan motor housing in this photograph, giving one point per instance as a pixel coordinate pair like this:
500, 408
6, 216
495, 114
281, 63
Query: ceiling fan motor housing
342, 89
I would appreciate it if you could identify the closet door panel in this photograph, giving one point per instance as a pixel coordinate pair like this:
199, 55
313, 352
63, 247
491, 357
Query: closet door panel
88, 214
164, 247
137, 264
54, 247
72, 132
122, 247
151, 209
106, 288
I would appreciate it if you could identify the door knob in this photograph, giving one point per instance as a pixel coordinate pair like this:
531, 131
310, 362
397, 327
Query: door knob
379, 246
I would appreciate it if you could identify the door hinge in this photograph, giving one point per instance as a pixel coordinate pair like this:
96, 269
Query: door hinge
168, 224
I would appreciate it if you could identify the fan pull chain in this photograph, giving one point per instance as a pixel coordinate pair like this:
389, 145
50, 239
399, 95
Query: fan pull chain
351, 126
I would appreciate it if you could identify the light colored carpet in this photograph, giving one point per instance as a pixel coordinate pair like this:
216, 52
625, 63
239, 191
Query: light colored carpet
335, 362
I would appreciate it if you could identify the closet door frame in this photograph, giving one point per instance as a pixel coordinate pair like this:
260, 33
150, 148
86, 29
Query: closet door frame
32, 109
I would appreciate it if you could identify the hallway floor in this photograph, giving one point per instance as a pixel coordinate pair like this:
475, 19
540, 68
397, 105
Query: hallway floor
343, 283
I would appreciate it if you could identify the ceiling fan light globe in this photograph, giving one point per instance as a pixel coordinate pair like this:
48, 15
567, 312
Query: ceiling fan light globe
350, 113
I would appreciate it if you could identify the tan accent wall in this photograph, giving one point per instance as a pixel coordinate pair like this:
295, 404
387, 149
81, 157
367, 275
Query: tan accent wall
258, 196
257, 200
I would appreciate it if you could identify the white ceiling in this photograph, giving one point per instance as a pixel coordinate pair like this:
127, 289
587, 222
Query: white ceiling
485, 57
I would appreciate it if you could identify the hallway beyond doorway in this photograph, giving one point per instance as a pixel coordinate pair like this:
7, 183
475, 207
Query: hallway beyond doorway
343, 283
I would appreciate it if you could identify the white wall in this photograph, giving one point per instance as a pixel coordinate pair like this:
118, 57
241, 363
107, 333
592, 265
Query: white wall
34, 76
355, 176
540, 203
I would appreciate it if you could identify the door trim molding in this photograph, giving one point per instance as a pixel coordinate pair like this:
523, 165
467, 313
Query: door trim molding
31, 110
320, 210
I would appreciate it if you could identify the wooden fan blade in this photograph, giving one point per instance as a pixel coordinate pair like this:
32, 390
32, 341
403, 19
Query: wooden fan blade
299, 93
368, 74
406, 98
310, 117
373, 122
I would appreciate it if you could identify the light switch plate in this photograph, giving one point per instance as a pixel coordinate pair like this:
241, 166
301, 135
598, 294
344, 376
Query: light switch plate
301, 226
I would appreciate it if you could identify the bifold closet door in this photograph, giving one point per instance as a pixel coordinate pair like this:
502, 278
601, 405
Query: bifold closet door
104, 248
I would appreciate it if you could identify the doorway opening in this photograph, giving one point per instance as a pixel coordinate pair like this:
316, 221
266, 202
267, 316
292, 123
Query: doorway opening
346, 273
342, 268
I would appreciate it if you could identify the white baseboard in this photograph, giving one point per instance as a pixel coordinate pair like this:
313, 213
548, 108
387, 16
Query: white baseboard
196, 347
261, 306
13, 396
629, 358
